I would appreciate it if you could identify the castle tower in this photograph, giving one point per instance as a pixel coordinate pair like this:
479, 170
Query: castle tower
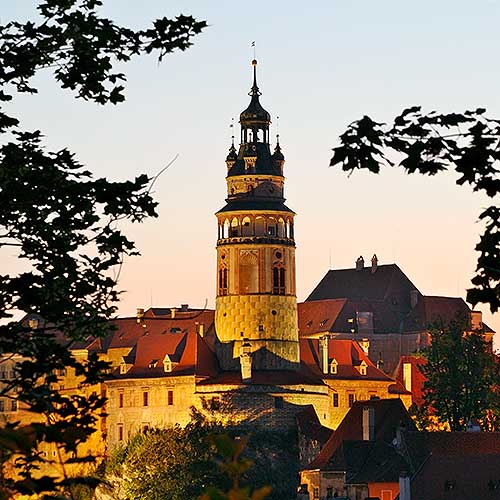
256, 305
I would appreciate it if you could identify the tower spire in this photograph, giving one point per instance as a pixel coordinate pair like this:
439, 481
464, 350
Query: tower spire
255, 89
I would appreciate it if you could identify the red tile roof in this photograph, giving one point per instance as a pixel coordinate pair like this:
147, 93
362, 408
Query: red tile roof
319, 315
459, 465
389, 415
128, 330
348, 355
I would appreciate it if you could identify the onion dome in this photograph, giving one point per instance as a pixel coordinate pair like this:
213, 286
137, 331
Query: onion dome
255, 113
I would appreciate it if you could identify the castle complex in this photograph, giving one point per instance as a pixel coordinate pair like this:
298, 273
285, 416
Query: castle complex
260, 358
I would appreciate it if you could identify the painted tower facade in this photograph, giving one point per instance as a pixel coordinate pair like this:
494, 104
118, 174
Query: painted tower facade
256, 305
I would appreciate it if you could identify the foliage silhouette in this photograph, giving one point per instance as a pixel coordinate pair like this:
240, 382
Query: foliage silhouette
468, 143
62, 223
462, 377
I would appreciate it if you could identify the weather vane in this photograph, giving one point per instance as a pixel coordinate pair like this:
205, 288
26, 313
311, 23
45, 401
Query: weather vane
232, 131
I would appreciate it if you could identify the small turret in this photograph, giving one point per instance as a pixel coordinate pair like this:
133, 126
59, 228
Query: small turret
278, 156
231, 157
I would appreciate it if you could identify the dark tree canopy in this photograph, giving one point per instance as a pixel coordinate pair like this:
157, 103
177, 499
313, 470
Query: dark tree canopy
63, 224
462, 378
467, 143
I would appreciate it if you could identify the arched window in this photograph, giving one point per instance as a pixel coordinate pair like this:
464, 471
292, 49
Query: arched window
235, 227
279, 280
281, 228
260, 226
287, 235
246, 227
249, 274
225, 229
223, 280
271, 226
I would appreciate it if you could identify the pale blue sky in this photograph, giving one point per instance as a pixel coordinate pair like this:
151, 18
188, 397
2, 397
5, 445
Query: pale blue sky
321, 65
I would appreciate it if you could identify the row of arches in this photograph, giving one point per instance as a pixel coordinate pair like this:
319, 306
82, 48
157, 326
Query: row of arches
254, 134
259, 225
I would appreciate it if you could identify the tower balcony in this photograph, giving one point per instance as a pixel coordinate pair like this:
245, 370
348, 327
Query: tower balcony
270, 240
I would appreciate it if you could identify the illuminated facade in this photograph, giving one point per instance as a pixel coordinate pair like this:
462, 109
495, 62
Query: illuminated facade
256, 304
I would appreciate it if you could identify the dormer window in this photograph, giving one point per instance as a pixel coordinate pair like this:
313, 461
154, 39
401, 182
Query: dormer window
362, 368
153, 363
123, 368
333, 367
167, 364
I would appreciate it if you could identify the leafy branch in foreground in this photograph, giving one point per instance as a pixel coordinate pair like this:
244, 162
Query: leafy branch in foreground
233, 465
62, 223
467, 143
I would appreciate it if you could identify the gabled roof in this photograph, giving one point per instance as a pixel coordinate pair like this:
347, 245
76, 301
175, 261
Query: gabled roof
388, 282
188, 352
347, 353
389, 415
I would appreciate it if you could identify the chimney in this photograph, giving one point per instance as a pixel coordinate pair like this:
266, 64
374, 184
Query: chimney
172, 312
365, 345
246, 362
139, 314
374, 263
360, 263
407, 376
368, 423
414, 298
184, 307
404, 486
476, 320
323, 354
200, 327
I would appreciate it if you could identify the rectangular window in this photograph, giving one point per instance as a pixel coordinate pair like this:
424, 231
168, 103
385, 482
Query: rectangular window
120, 432
120, 399
13, 405
3, 374
315, 493
278, 401
145, 398
336, 399
170, 398
2, 405
352, 398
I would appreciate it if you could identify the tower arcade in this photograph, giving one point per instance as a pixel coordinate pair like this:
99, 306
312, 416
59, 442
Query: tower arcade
256, 305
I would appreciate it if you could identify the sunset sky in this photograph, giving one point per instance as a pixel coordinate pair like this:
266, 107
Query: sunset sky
321, 65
